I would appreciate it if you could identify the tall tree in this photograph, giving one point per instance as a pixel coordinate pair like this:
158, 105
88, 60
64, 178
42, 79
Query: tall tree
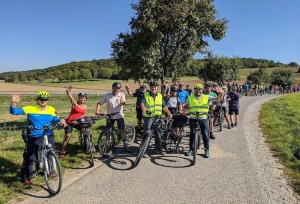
259, 76
164, 37
283, 77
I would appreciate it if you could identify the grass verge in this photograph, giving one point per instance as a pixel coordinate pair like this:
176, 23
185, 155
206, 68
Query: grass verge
280, 121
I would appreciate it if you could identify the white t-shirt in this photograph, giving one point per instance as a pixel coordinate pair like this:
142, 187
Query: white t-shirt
113, 104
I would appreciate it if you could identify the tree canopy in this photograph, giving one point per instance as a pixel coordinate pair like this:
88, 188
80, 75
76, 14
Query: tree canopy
164, 37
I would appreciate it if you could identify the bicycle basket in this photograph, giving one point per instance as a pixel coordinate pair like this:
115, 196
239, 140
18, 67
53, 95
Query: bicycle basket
179, 120
86, 122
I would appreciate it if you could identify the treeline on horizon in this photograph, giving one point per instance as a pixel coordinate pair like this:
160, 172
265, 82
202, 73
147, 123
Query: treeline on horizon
108, 69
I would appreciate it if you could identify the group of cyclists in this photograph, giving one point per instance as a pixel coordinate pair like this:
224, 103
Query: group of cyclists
175, 99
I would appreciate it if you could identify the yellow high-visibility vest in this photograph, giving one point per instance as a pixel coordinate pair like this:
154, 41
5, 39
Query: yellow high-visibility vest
198, 106
153, 106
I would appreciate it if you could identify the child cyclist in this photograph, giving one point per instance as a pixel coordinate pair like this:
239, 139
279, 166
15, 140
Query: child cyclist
78, 110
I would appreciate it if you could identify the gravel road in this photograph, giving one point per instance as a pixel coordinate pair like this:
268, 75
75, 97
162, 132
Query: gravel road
241, 170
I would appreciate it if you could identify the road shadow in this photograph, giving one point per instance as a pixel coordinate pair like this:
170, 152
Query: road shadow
171, 161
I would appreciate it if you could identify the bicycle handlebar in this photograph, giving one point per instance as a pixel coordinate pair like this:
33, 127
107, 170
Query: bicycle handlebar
45, 127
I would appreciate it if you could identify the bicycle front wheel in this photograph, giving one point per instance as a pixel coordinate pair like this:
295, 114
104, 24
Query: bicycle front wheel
196, 136
142, 149
52, 173
106, 142
130, 132
221, 120
89, 146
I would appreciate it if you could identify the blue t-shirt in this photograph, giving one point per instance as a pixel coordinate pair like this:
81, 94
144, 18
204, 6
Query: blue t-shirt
182, 95
234, 102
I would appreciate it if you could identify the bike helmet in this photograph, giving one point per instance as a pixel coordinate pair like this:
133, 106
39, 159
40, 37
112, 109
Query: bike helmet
82, 94
42, 95
116, 85
173, 89
143, 87
233, 88
198, 86
153, 83
224, 87
208, 84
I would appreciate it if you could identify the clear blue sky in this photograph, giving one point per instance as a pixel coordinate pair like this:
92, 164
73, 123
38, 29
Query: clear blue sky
37, 34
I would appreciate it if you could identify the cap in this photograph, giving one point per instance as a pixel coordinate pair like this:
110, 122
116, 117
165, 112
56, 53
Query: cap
181, 84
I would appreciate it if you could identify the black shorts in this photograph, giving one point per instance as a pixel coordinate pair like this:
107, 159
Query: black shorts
69, 128
120, 122
235, 111
139, 114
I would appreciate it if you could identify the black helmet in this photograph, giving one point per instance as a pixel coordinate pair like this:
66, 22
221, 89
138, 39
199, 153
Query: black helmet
153, 83
234, 88
173, 89
82, 94
116, 85
143, 87
208, 84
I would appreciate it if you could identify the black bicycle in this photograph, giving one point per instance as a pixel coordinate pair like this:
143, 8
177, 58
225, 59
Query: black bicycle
154, 129
85, 137
46, 160
197, 134
111, 136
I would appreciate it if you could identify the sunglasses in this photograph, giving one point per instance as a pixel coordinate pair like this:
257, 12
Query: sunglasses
43, 99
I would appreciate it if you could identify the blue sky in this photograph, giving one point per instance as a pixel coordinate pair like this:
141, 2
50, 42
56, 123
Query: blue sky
38, 34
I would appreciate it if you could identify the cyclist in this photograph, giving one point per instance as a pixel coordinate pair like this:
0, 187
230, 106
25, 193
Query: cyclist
225, 98
78, 110
220, 92
261, 88
39, 115
115, 101
140, 95
188, 89
198, 102
212, 107
234, 105
172, 101
153, 102
181, 93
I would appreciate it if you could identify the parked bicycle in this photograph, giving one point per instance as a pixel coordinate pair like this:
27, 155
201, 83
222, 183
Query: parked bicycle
220, 119
111, 136
47, 161
155, 129
85, 137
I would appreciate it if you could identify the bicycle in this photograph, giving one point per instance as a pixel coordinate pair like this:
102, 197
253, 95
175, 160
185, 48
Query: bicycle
85, 137
197, 134
155, 129
221, 118
107, 139
47, 161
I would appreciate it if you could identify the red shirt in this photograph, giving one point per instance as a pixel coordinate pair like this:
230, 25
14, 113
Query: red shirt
76, 113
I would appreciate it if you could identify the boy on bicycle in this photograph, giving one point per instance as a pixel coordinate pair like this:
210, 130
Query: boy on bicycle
39, 115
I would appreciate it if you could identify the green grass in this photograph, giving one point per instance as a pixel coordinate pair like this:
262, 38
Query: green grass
280, 121
12, 145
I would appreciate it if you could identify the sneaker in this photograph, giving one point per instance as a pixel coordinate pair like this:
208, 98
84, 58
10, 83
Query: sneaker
229, 127
126, 148
232, 125
161, 152
145, 155
212, 136
235, 124
26, 183
207, 154
190, 153
62, 154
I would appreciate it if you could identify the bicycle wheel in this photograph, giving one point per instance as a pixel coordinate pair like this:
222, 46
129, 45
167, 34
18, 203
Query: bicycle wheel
195, 147
52, 173
130, 132
142, 149
181, 131
106, 142
89, 146
221, 119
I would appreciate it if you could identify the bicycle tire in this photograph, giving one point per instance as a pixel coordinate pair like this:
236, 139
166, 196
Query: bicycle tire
89, 146
195, 148
52, 173
142, 149
179, 140
130, 132
221, 120
106, 142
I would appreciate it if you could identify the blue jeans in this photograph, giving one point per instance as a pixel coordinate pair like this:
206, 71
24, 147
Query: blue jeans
204, 126
147, 125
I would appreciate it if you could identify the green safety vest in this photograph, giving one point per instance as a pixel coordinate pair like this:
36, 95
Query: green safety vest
153, 106
198, 106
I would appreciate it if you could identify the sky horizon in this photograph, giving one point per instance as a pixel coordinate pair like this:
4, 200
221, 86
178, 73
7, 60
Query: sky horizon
40, 34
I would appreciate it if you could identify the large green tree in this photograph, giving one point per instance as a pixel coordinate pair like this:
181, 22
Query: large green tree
164, 37
259, 76
283, 77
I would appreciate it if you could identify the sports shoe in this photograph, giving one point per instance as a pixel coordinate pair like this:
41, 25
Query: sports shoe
228, 127
26, 183
161, 152
235, 124
62, 154
190, 153
145, 155
207, 154
126, 148
231, 124
212, 136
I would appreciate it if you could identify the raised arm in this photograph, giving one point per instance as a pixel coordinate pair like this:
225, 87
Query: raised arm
72, 100
128, 91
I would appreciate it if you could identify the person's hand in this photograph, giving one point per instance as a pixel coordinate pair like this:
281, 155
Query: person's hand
127, 87
63, 122
69, 88
121, 101
170, 115
97, 113
15, 98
